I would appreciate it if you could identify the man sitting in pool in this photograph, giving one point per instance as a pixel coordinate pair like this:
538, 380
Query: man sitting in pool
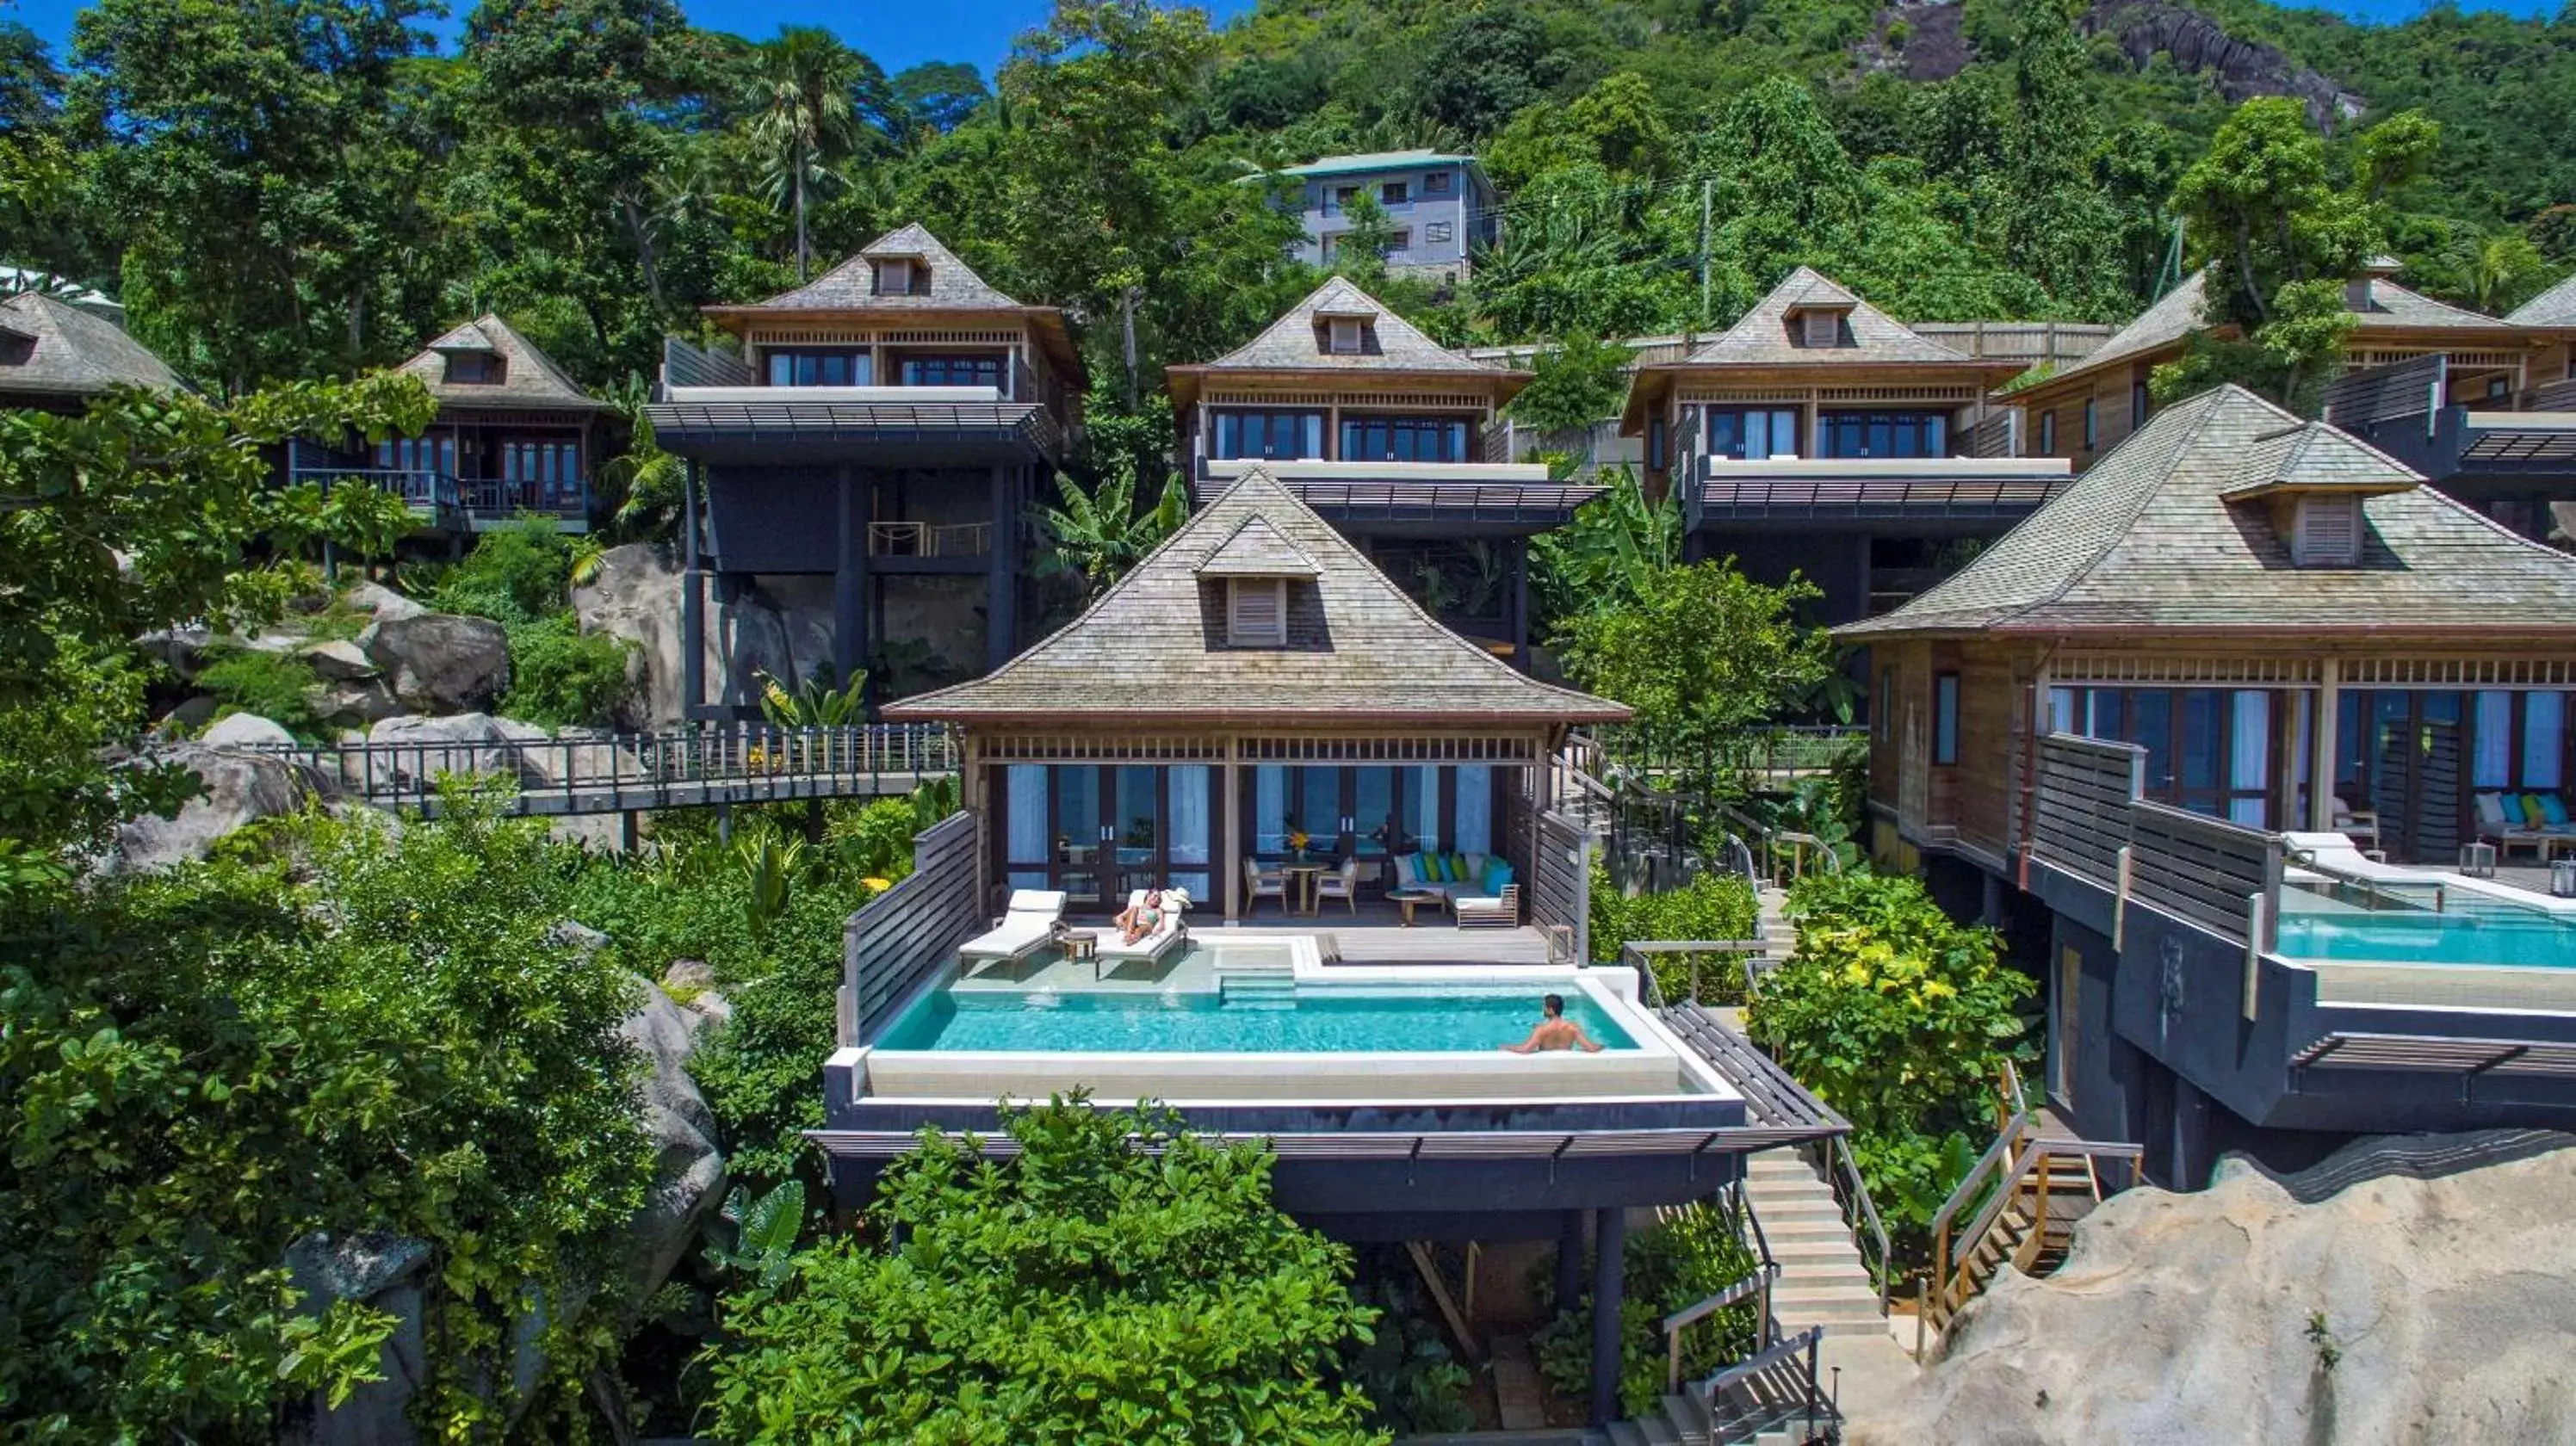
1143, 919
1554, 1032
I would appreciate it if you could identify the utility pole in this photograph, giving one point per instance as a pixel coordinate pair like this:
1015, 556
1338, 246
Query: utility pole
1705, 186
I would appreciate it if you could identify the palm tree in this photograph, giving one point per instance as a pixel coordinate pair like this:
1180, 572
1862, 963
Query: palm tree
1100, 535
808, 119
646, 481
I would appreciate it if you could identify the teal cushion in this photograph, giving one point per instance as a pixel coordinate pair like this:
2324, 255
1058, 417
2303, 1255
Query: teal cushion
1498, 877
1440, 869
1424, 870
2554, 809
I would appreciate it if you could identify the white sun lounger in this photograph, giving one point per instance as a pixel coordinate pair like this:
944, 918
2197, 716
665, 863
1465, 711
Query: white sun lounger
1035, 920
1174, 928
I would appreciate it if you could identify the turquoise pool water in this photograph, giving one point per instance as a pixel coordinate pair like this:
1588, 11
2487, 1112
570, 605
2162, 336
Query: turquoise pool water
2461, 934
1321, 1021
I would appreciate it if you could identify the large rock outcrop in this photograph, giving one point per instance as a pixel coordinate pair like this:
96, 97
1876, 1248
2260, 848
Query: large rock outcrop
442, 662
384, 1272
782, 627
2304, 1309
689, 1171
241, 786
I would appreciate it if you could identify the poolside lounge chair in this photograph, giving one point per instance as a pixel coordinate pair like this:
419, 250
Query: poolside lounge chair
1034, 921
1151, 949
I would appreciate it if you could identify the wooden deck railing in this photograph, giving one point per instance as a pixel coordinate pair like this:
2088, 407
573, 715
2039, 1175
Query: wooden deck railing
2221, 876
896, 938
2026, 1168
2079, 815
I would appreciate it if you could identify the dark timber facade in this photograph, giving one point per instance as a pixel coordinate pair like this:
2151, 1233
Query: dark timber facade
885, 427
1393, 439
2152, 732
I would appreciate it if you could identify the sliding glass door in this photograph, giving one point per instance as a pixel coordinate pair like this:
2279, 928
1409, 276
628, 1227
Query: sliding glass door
1101, 832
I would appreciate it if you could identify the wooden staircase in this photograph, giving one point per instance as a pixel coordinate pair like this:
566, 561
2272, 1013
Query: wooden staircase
2017, 1207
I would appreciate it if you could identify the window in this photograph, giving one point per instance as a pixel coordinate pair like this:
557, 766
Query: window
1256, 612
419, 454
1343, 196
1436, 184
1820, 328
475, 369
1342, 336
1880, 723
1274, 436
1885, 434
1750, 434
1403, 241
1404, 439
2048, 434
1945, 718
952, 371
2092, 432
818, 367
2139, 405
2326, 531
1655, 443
1439, 232
1394, 193
901, 276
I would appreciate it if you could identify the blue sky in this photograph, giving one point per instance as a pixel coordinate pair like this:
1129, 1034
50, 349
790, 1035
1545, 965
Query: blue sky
899, 34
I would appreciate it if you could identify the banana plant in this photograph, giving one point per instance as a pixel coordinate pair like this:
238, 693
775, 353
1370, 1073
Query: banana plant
814, 704
769, 864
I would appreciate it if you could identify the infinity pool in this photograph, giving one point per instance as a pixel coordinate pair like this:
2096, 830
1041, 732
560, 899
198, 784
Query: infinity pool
2464, 933
1320, 1020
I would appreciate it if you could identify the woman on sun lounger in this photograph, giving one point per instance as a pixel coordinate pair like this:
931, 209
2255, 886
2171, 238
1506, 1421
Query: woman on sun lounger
1143, 919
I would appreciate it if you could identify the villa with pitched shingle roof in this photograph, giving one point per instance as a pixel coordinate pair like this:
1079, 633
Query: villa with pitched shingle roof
2227, 714
55, 356
1394, 438
2479, 404
1820, 436
514, 438
881, 430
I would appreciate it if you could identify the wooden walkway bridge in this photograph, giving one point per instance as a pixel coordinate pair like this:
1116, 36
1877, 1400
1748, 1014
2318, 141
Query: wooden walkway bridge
700, 765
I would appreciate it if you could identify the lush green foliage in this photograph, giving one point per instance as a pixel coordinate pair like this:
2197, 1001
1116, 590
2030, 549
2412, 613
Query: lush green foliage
254, 680
1902, 1020
1085, 1291
336, 1027
1403, 1366
1710, 907
520, 577
561, 676
1677, 1263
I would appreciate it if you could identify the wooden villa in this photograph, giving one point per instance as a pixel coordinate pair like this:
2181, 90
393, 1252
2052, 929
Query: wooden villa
55, 356
885, 426
514, 438
2478, 404
2237, 642
1254, 679
1818, 435
1394, 439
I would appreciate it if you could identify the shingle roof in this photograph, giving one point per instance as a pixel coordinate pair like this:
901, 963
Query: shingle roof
1153, 647
2148, 539
2554, 307
530, 380
74, 353
2393, 306
1763, 336
2313, 457
1290, 344
1257, 550
851, 286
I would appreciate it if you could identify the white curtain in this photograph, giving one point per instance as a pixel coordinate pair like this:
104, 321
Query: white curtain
1189, 815
1026, 785
2061, 710
2544, 739
1429, 809
1475, 809
2493, 766
2250, 756
1269, 808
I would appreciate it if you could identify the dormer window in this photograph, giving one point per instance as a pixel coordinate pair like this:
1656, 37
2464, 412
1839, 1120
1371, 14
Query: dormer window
1256, 612
1345, 336
902, 276
1819, 327
474, 369
2325, 530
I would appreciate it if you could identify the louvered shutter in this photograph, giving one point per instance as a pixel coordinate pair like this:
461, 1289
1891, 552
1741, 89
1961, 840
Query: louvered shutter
1824, 328
2328, 533
1258, 612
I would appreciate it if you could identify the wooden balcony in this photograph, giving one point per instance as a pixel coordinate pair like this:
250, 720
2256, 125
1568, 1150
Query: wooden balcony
442, 502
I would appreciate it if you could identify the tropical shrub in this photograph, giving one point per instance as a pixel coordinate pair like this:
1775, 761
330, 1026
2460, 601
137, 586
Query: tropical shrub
1712, 906
1902, 1019
561, 676
1404, 1367
1086, 1291
276, 686
515, 574
338, 1027
1686, 1259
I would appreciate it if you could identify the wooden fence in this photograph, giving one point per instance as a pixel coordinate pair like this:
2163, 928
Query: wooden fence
2031, 341
1550, 853
2219, 875
2411, 388
2080, 811
902, 934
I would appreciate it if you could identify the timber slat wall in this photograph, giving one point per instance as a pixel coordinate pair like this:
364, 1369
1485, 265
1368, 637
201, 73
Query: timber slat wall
2409, 388
2081, 809
910, 929
1560, 882
2200, 869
